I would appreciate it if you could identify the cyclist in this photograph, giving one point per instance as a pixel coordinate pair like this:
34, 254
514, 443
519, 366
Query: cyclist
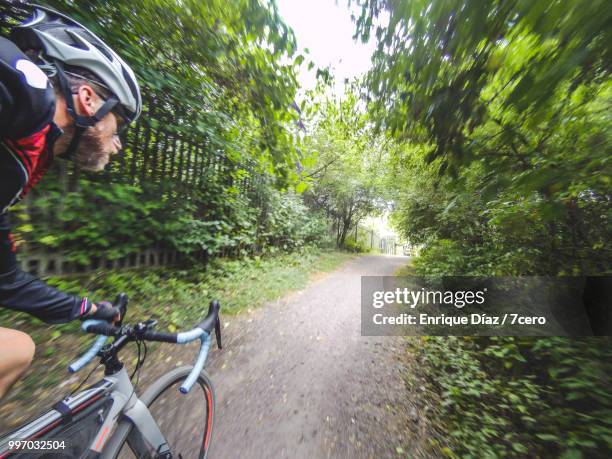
63, 93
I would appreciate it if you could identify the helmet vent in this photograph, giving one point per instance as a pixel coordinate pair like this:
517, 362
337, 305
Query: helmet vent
65, 36
95, 42
130, 81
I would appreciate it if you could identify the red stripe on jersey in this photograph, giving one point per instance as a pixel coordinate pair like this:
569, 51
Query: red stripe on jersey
32, 152
34, 155
11, 239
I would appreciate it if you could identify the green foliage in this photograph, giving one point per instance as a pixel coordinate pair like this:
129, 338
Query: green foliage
500, 166
289, 224
508, 121
110, 221
443, 257
508, 397
100, 220
193, 235
434, 63
356, 247
345, 174
498, 222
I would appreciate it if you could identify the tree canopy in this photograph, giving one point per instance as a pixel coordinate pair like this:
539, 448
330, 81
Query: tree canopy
508, 106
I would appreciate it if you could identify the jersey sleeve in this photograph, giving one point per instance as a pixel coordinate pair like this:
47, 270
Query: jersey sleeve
27, 99
20, 291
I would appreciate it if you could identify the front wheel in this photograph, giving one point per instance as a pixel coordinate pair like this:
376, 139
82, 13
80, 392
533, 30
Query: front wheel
186, 420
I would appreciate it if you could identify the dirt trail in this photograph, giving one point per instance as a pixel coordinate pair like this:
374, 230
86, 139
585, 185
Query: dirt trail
297, 380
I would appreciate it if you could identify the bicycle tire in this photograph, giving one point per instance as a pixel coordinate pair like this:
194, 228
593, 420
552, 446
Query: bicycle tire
119, 438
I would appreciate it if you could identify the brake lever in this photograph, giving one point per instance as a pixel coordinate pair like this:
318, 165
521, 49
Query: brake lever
218, 332
121, 302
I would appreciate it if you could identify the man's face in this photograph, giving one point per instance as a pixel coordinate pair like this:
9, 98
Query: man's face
98, 143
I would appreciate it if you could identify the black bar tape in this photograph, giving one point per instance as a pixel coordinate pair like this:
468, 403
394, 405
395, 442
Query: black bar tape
159, 336
103, 329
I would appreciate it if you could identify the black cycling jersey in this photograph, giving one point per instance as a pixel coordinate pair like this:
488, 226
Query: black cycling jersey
27, 134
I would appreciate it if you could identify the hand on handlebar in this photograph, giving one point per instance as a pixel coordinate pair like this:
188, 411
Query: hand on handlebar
104, 310
103, 313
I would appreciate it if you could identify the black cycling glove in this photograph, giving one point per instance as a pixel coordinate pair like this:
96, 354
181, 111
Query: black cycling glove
105, 311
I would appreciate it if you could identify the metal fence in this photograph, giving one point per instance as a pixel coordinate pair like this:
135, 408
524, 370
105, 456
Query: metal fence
156, 152
161, 157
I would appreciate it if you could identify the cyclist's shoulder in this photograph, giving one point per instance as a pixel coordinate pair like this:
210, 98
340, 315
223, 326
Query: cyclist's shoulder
27, 100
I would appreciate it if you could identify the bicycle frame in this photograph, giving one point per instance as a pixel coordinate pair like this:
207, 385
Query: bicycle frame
145, 436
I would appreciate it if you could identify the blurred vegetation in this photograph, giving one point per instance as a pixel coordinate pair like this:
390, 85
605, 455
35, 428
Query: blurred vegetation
356, 246
499, 119
519, 396
122, 219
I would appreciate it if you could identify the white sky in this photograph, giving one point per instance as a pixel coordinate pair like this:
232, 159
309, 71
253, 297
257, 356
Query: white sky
326, 29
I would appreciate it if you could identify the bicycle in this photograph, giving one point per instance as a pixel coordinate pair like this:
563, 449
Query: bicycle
108, 417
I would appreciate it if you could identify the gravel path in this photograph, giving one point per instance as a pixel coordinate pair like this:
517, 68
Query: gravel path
297, 380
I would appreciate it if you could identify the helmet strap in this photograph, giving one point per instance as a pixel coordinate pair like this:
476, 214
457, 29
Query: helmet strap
81, 122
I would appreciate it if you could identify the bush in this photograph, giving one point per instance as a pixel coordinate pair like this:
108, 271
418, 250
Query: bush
512, 397
288, 224
100, 220
110, 221
356, 247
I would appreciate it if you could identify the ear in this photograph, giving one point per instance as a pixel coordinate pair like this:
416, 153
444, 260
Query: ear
86, 100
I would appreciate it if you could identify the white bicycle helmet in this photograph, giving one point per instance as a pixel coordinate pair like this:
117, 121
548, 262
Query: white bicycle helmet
65, 42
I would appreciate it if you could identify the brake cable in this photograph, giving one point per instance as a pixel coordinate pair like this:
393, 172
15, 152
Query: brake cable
84, 380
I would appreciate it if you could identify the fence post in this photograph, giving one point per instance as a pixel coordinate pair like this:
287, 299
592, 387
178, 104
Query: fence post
134, 150
175, 146
146, 152
181, 164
